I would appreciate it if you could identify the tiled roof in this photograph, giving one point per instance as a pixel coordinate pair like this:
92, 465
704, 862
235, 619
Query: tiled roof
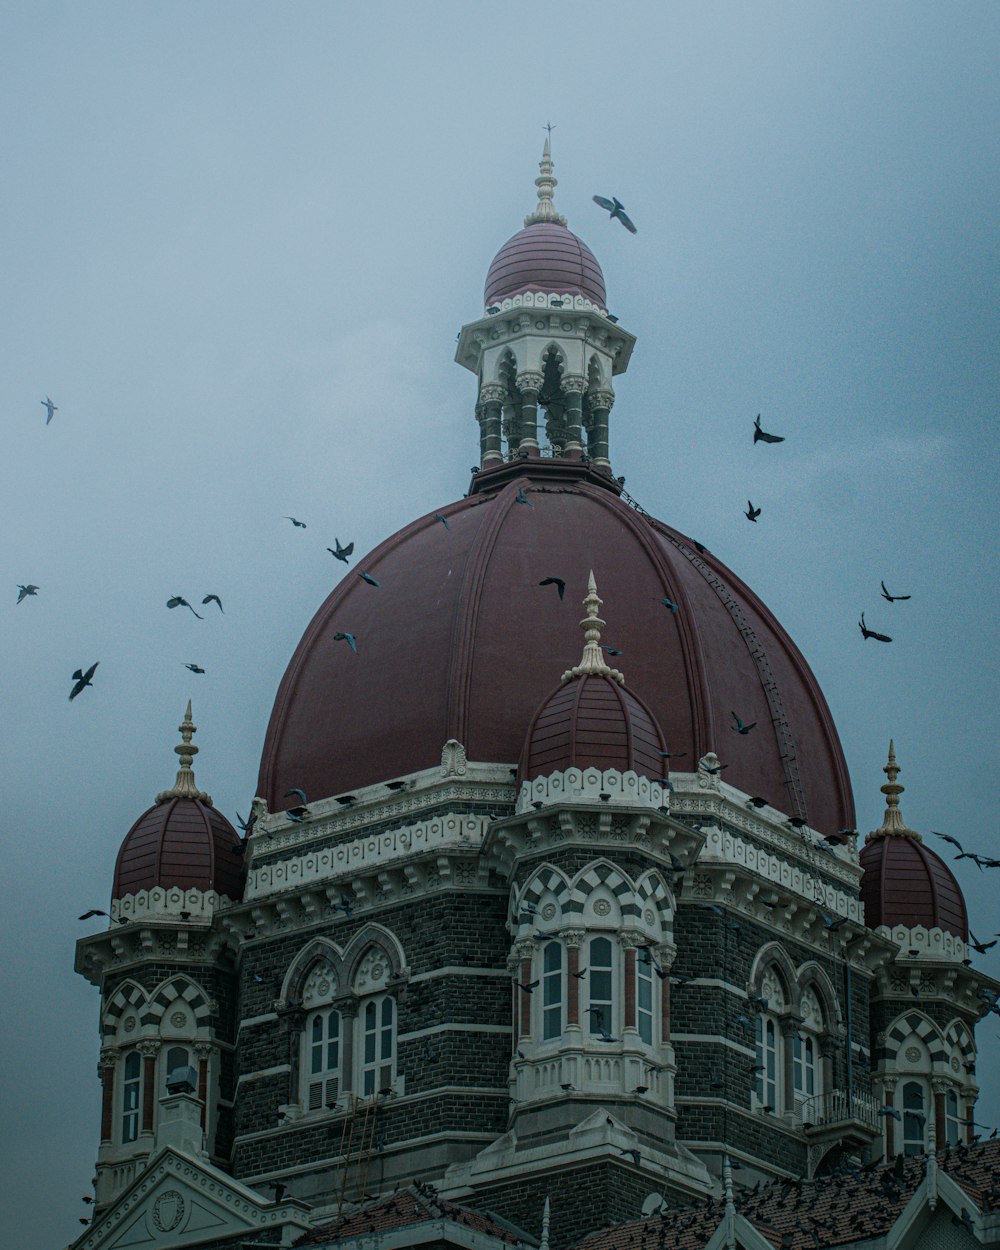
405, 1208
804, 1215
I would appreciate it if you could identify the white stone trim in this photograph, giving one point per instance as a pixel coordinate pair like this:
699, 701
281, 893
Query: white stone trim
167, 903
263, 1072
575, 785
932, 943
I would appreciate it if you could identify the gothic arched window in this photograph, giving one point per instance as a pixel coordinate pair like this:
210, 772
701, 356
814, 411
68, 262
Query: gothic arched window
321, 1039
378, 1036
914, 1117
552, 991
952, 1122
806, 1066
644, 999
770, 1052
601, 983
131, 1090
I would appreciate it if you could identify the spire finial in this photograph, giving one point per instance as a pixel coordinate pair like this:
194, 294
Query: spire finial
593, 662
184, 787
544, 1243
545, 210
893, 824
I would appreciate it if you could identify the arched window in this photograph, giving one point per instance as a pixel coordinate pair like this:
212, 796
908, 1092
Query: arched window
806, 1068
600, 979
176, 1057
952, 1124
378, 1035
644, 999
914, 1118
552, 991
768, 1070
322, 1065
131, 1090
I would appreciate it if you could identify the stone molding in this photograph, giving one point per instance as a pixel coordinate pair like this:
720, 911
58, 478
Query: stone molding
167, 903
575, 785
931, 943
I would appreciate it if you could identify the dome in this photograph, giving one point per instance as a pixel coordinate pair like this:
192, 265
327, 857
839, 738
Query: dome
459, 642
181, 841
546, 257
904, 882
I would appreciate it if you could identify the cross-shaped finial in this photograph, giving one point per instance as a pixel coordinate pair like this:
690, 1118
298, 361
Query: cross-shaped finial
549, 127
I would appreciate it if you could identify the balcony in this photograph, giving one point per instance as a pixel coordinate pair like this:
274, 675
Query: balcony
852, 1120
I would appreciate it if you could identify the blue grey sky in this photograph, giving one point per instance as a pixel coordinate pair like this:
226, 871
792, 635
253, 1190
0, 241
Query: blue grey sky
236, 243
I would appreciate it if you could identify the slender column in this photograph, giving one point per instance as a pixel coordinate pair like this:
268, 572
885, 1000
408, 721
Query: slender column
490, 407
889, 1087
789, 1030
573, 389
629, 941
509, 426
573, 939
529, 384
524, 1000
204, 1052
970, 1115
665, 956
148, 1050
348, 1028
106, 1071
940, 1127
601, 403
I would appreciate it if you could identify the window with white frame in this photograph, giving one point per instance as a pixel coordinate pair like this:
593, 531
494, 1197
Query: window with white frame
952, 1119
644, 999
914, 1111
769, 1046
131, 1096
806, 1068
377, 1020
601, 986
321, 1039
552, 991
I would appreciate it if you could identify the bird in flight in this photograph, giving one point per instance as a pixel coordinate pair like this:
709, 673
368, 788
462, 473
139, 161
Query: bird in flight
751, 513
367, 577
213, 599
523, 498
96, 911
82, 680
350, 639
870, 633
605, 647
301, 525
341, 553
617, 209
739, 727
712, 770
762, 436
670, 605
442, 519
178, 601
558, 582
892, 598
24, 591
49, 407
195, 668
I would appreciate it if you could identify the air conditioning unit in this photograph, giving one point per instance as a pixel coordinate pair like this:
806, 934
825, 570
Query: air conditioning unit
182, 1081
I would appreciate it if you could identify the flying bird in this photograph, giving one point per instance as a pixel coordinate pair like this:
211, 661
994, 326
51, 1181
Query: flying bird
213, 599
558, 582
296, 791
667, 603
367, 577
341, 553
49, 407
739, 727
82, 680
892, 598
605, 647
195, 668
762, 436
351, 641
981, 947
178, 601
634, 1155
24, 591
712, 770
301, 525
870, 633
94, 911
523, 498
442, 519
946, 837
616, 208
751, 513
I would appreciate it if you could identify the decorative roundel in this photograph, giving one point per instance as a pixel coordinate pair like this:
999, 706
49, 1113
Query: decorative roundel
548, 911
323, 987
129, 1024
178, 1019
954, 1064
168, 1210
602, 907
377, 972
649, 916
913, 1054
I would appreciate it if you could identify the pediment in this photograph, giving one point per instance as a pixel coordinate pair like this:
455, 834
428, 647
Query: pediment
179, 1201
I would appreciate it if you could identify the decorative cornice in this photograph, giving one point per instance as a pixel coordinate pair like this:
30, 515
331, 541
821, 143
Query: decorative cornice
184, 787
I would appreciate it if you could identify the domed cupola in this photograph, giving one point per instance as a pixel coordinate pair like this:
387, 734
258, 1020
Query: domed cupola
181, 844
591, 720
904, 882
546, 344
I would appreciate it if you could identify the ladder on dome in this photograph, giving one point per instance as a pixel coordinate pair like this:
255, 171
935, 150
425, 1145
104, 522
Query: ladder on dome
789, 761
364, 1117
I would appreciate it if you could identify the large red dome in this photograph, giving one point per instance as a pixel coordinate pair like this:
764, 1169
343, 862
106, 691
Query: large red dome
461, 642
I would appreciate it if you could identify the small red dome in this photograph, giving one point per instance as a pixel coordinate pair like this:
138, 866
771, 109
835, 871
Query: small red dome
545, 257
906, 883
180, 842
593, 722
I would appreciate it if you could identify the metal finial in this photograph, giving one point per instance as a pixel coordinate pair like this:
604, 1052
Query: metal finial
184, 787
593, 662
730, 1207
545, 210
893, 824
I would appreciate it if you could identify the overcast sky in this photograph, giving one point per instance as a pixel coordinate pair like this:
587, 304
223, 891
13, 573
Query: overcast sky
237, 241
